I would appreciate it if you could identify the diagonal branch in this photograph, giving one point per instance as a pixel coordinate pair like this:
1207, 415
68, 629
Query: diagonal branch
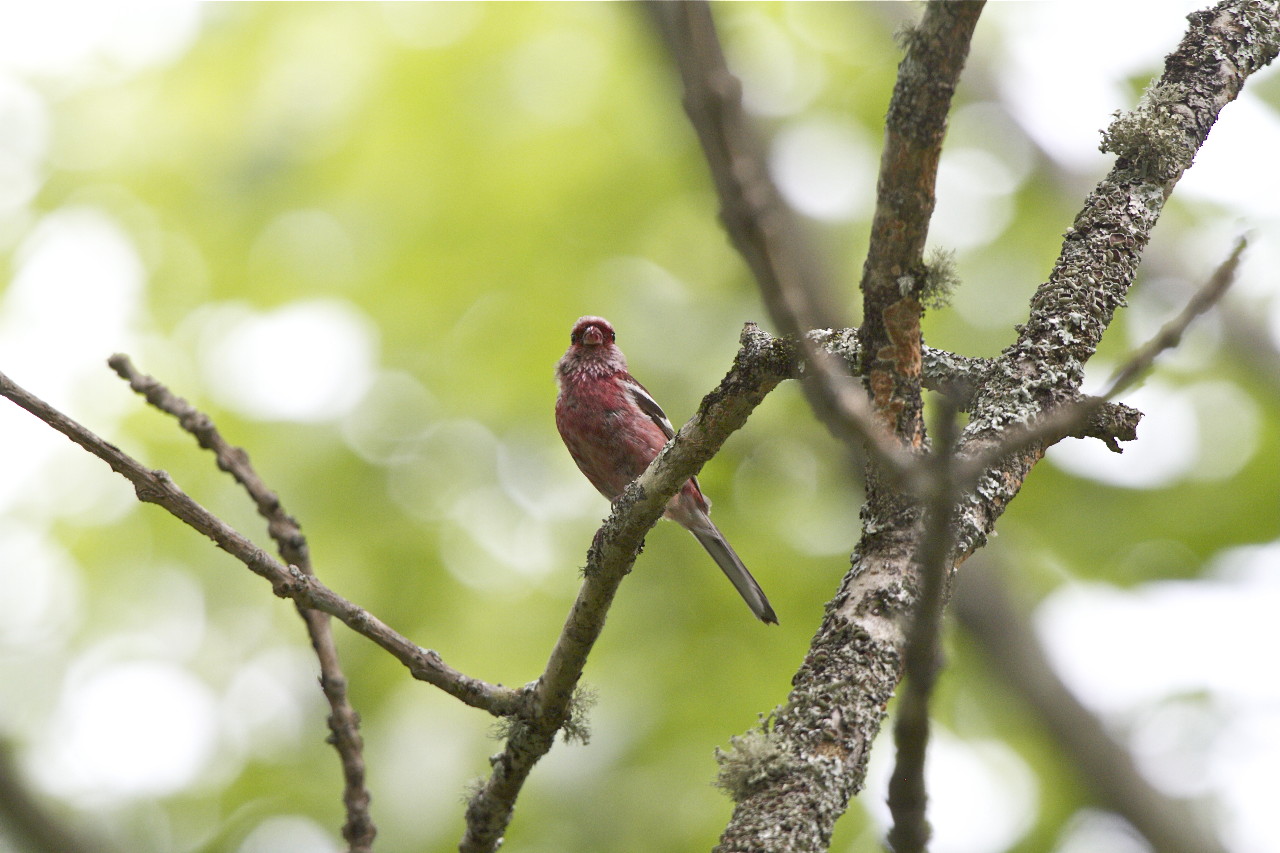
758, 221
156, 486
344, 723
760, 365
1093, 416
762, 227
822, 735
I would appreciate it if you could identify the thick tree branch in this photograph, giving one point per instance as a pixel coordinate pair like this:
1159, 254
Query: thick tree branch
155, 486
893, 274
1094, 417
1070, 312
344, 723
820, 738
760, 365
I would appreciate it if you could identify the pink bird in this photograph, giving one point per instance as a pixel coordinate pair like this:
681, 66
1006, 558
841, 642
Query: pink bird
614, 428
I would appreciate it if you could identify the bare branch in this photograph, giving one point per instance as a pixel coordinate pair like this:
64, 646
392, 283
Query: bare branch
839, 693
155, 486
1045, 367
763, 228
893, 276
344, 723
759, 222
760, 365
922, 657
1094, 417
1170, 335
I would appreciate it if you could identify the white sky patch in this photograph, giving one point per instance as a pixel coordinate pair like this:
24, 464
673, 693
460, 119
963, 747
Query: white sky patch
1093, 831
289, 834
777, 77
975, 191
24, 142
825, 168
1062, 109
306, 361
143, 728
72, 302
1230, 167
1123, 648
39, 587
74, 299
1166, 450
87, 39
982, 796
1124, 652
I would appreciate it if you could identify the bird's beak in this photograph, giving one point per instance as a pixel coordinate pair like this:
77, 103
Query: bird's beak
592, 336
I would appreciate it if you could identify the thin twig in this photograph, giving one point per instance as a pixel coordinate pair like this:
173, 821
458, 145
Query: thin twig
760, 365
344, 723
1170, 335
1069, 418
157, 487
908, 795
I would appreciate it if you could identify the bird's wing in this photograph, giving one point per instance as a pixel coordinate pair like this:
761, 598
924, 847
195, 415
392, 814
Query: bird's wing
649, 406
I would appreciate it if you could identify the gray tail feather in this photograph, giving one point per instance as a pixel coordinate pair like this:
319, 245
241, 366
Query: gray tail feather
729, 562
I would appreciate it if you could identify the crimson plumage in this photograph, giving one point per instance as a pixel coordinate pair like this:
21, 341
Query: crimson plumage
614, 428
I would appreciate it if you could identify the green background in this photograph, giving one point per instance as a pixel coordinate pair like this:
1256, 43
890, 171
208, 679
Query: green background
459, 183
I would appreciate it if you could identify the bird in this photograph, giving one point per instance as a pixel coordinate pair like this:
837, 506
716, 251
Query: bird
613, 428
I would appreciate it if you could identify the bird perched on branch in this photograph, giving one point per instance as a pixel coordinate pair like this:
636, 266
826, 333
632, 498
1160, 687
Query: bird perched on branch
614, 428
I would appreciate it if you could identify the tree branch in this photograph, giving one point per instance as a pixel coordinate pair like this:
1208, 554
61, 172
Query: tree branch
760, 224
760, 365
893, 274
922, 658
820, 739
1094, 417
344, 723
155, 486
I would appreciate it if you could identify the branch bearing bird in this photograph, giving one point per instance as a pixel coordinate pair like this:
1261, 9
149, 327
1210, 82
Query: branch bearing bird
614, 428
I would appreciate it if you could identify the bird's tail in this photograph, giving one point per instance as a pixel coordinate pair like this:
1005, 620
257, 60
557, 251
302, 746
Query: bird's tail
729, 562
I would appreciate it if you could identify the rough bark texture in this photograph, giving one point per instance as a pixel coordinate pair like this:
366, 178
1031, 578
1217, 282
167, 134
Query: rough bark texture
840, 691
893, 273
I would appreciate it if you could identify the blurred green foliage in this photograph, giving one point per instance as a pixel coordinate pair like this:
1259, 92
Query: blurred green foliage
470, 179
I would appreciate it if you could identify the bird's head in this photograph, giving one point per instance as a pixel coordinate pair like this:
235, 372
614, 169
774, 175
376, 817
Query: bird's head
591, 332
